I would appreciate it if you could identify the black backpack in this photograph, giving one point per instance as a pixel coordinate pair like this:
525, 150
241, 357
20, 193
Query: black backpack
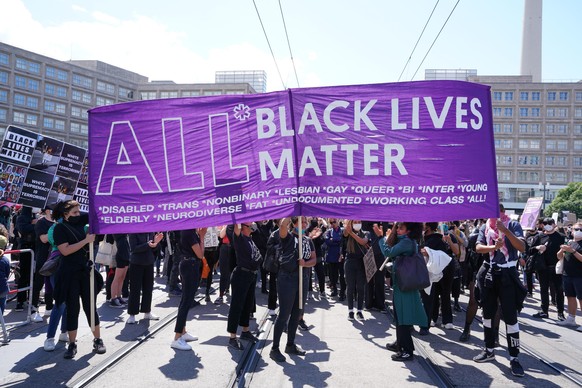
272, 259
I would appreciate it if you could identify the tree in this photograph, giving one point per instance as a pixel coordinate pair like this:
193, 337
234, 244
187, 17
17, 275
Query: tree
569, 199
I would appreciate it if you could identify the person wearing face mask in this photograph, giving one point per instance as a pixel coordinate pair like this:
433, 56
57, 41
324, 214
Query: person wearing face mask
72, 281
498, 283
356, 248
530, 238
571, 254
333, 241
403, 241
546, 247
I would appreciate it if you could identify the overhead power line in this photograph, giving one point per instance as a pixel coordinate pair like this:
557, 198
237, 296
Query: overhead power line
269, 44
426, 24
289, 44
435, 39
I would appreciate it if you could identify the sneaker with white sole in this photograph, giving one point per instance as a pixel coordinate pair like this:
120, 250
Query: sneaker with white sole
180, 344
485, 356
272, 313
64, 337
130, 320
449, 326
151, 317
189, 337
47, 313
49, 344
570, 321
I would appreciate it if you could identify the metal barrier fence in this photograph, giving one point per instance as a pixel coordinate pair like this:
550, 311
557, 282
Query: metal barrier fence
28, 288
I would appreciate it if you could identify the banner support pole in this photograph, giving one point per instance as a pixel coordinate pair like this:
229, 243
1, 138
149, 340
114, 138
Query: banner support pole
300, 229
92, 287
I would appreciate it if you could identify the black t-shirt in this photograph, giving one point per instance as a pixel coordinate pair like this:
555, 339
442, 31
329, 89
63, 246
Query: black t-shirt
71, 233
552, 242
573, 266
187, 239
247, 254
41, 252
290, 252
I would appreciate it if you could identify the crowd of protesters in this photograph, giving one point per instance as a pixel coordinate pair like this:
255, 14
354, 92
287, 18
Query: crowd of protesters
483, 257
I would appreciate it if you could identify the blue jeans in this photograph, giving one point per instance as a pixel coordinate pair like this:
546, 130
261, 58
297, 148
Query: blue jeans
56, 313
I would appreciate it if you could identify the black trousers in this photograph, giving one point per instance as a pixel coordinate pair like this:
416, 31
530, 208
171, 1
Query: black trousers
356, 282
375, 295
548, 278
243, 299
190, 274
211, 256
289, 312
320, 272
272, 302
336, 272
141, 284
24, 280
79, 287
442, 296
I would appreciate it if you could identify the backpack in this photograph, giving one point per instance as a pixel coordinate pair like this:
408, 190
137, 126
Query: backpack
273, 254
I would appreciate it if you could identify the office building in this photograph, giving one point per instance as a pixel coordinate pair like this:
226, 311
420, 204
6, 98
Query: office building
256, 78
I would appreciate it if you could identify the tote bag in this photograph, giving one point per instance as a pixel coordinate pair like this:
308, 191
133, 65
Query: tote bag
106, 252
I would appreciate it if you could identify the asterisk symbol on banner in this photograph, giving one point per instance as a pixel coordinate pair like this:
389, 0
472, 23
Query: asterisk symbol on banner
242, 112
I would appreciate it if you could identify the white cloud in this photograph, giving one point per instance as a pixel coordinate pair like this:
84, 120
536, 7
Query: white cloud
104, 18
78, 8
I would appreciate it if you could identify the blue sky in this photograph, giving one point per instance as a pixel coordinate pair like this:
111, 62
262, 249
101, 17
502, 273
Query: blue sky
334, 42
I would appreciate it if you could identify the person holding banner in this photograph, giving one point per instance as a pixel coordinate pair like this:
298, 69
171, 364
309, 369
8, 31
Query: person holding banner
356, 248
243, 281
73, 276
333, 240
408, 310
288, 285
189, 253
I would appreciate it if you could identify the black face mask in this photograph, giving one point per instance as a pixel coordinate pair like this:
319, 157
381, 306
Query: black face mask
74, 219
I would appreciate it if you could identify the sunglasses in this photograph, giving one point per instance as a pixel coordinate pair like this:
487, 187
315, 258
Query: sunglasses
578, 229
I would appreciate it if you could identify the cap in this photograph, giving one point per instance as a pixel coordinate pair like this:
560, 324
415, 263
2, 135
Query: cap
3, 242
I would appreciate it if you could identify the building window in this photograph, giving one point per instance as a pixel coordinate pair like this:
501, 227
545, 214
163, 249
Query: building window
76, 95
562, 129
551, 112
48, 123
508, 112
3, 77
534, 177
18, 117
49, 89
31, 119
524, 96
535, 96
168, 94
20, 82
61, 108
578, 129
563, 112
61, 92
523, 144
578, 112
105, 87
523, 112
535, 112
578, 96
504, 175
507, 128
577, 161
534, 144
3, 115
504, 143
577, 177
23, 64
496, 128
3, 96
522, 176
497, 96
148, 95
87, 98
60, 125
32, 102
496, 112
522, 128
82, 81
551, 96
214, 93
190, 93
563, 96
4, 59
550, 128
577, 145
505, 160
556, 177
534, 160
19, 99
508, 96
534, 128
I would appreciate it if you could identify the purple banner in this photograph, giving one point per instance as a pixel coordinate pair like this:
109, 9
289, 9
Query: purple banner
416, 151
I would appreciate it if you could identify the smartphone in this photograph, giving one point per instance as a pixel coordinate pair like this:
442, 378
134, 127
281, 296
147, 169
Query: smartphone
444, 229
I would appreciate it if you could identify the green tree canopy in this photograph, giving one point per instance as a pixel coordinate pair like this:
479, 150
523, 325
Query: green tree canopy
569, 199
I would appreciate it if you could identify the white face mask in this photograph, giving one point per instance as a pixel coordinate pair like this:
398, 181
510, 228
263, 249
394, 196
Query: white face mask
578, 235
357, 227
548, 228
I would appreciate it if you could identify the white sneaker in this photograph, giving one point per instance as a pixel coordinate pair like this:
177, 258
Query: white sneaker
130, 320
151, 317
36, 317
272, 313
49, 344
64, 337
449, 326
570, 321
189, 337
47, 313
180, 344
